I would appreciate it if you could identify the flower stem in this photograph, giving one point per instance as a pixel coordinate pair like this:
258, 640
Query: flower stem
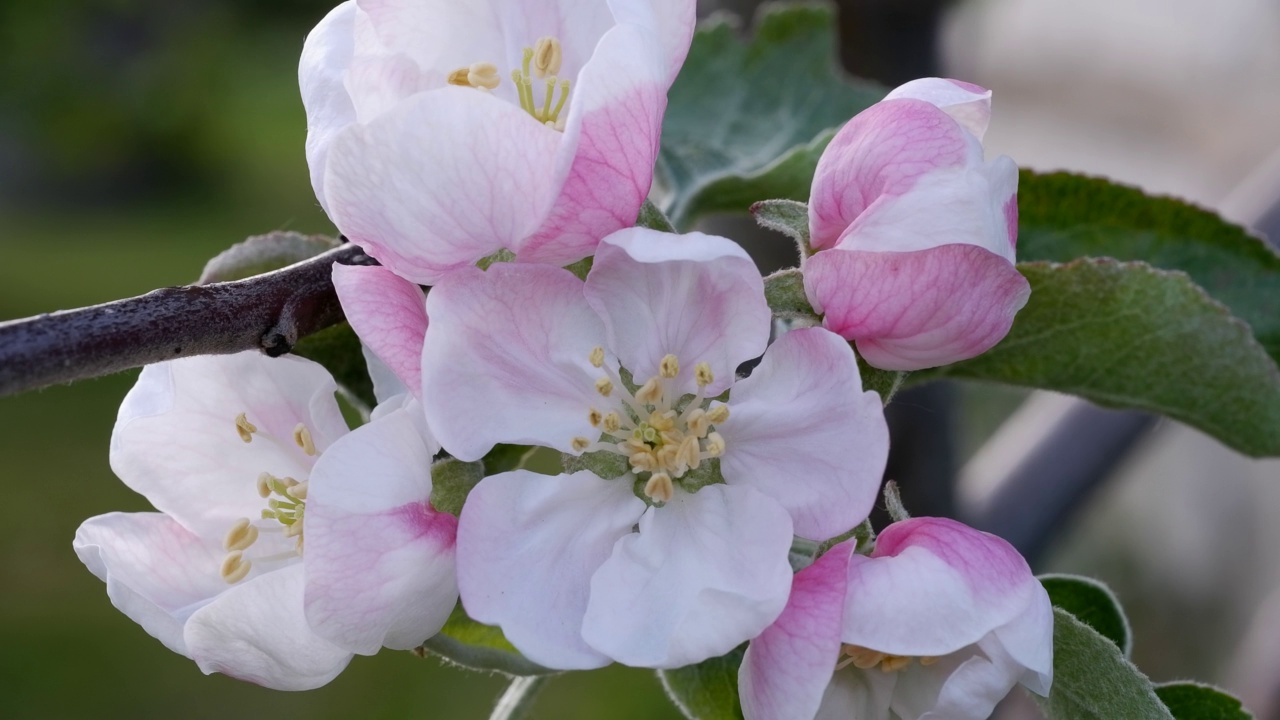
518, 699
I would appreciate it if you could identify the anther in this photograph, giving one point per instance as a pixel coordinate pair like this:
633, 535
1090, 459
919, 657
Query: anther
604, 386
703, 375
650, 393
547, 56
483, 75
580, 444
460, 77
894, 663
597, 356
612, 422
698, 423
302, 436
669, 367
240, 536
594, 417
718, 414
298, 491
715, 445
264, 484
659, 487
244, 428
928, 660
235, 567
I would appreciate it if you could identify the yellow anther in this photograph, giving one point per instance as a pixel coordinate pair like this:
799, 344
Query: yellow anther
302, 436
604, 386
659, 488
928, 660
698, 423
643, 461
894, 663
580, 444
460, 77
264, 484
669, 367
547, 57
651, 392
690, 455
594, 417
244, 428
718, 414
235, 567
483, 75
715, 445
612, 422
662, 421
703, 375
863, 658
298, 490
240, 536
597, 356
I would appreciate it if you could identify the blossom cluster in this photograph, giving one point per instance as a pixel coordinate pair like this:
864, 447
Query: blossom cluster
479, 149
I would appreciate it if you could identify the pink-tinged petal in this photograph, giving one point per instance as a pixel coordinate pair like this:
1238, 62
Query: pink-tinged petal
379, 559
933, 586
1028, 641
673, 21
443, 179
326, 55
389, 314
802, 431
969, 104
605, 166
255, 631
157, 572
506, 359
914, 310
706, 571
176, 440
528, 545
787, 668
857, 694
882, 151
966, 685
699, 297
377, 83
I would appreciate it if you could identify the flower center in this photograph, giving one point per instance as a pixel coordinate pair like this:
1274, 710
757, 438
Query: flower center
866, 658
542, 61
286, 504
662, 434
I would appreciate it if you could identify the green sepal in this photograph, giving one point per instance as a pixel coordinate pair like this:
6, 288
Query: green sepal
708, 690
451, 482
789, 217
475, 646
784, 291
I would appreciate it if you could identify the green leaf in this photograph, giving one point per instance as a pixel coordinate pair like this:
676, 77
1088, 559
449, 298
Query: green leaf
1093, 604
451, 482
748, 120
653, 218
1064, 216
784, 291
338, 349
1092, 680
1128, 335
1193, 701
789, 217
708, 690
885, 382
476, 646
264, 253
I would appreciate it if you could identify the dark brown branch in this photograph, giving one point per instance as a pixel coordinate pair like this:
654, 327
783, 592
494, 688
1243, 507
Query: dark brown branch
268, 312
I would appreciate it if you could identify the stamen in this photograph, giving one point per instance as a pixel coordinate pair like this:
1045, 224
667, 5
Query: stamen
302, 436
483, 75
928, 660
240, 536
718, 414
460, 77
604, 386
715, 445
894, 663
564, 97
659, 488
651, 392
612, 422
703, 375
580, 444
546, 102
264, 484
597, 356
235, 567
669, 367
298, 490
595, 417
244, 428
698, 423
547, 56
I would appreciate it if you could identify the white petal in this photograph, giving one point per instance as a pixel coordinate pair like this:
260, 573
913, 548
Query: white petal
855, 693
969, 104
326, 56
528, 545
156, 571
176, 439
1028, 641
672, 20
707, 571
256, 632
965, 685
506, 359
802, 431
699, 297
379, 559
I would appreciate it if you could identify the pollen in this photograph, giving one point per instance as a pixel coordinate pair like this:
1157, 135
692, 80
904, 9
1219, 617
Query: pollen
244, 428
703, 375
302, 437
612, 422
580, 444
604, 386
597, 356
595, 417
669, 367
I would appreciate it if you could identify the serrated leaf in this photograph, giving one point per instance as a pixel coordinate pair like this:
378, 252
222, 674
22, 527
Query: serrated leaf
708, 690
748, 120
1092, 680
1063, 216
1092, 603
264, 253
1131, 336
467, 643
1193, 701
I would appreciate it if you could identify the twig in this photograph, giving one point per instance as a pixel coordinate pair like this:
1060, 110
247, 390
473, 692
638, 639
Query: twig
267, 312
517, 700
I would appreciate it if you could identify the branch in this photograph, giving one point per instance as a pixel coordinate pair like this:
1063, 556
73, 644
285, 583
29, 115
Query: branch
517, 700
268, 312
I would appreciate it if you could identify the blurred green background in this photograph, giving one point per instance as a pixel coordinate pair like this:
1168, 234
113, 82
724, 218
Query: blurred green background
138, 139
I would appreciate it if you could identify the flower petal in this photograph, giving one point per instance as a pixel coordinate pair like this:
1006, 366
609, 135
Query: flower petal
255, 631
882, 151
157, 572
326, 55
527, 547
788, 667
699, 297
389, 314
969, 104
857, 694
506, 359
914, 310
1028, 641
379, 559
966, 685
605, 166
176, 439
672, 21
802, 431
445, 178
707, 571
933, 586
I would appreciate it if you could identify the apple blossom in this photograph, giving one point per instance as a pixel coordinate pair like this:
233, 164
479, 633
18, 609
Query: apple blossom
440, 133
940, 621
913, 232
679, 553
